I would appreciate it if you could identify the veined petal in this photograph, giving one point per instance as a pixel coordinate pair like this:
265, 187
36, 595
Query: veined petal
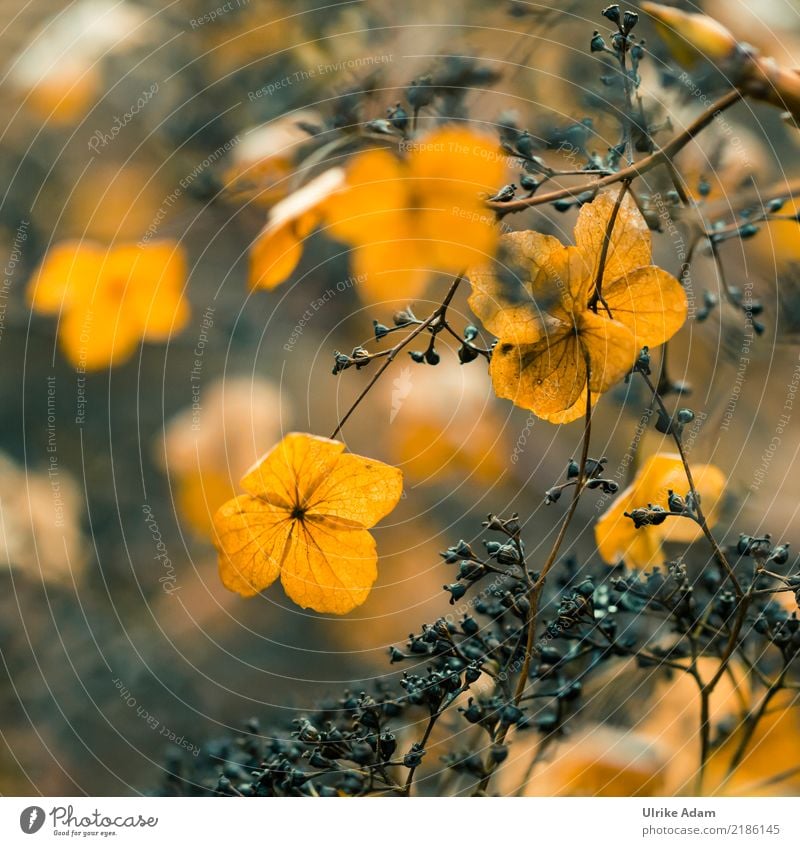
545, 377
251, 536
329, 568
650, 302
290, 472
611, 348
374, 201
629, 247
357, 489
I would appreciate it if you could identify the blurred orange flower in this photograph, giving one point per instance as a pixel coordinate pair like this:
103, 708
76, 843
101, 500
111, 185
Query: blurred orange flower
552, 340
279, 246
109, 299
616, 537
408, 217
304, 517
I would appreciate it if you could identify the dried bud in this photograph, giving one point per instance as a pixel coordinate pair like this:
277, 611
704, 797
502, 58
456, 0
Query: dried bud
431, 356
675, 502
525, 144
403, 317
398, 117
653, 515
780, 555
466, 354
420, 93
597, 45
629, 21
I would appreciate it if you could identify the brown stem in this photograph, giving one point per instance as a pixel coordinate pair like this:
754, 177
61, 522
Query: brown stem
391, 354
597, 295
701, 520
751, 723
422, 744
639, 168
535, 591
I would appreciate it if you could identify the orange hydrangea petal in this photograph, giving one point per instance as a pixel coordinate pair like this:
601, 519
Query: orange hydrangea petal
277, 251
611, 348
329, 568
154, 296
629, 247
251, 536
289, 473
615, 534
457, 165
452, 170
575, 411
710, 484
546, 377
618, 540
454, 238
510, 295
650, 302
97, 334
374, 201
390, 270
357, 490
278, 247
68, 274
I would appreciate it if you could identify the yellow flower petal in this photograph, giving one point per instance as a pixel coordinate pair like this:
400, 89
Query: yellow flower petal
616, 537
545, 377
390, 270
277, 251
611, 348
278, 247
97, 335
629, 247
650, 302
155, 274
290, 472
511, 295
357, 490
251, 536
305, 516
374, 201
67, 275
575, 411
329, 568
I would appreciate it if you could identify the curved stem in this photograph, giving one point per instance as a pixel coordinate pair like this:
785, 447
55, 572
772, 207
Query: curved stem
390, 355
662, 156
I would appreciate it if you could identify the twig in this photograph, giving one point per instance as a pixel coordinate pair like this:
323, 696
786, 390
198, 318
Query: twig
535, 591
701, 520
434, 319
639, 168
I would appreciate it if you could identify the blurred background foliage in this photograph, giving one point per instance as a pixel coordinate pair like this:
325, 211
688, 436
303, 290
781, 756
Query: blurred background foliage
84, 598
